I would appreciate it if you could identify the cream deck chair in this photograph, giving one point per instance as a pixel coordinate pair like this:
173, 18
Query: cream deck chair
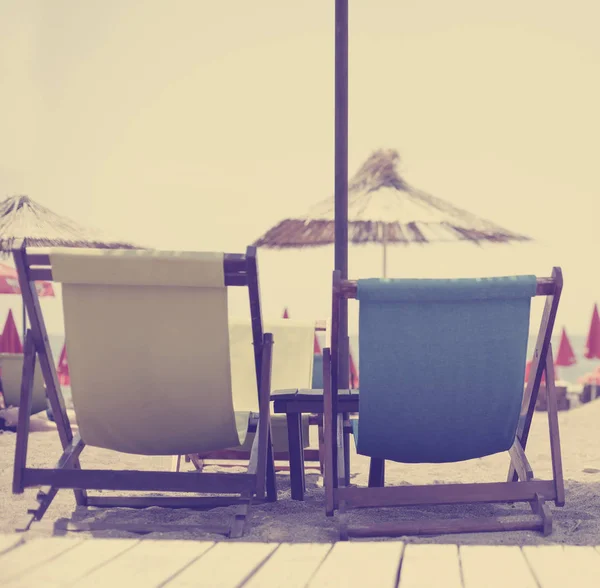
292, 369
139, 324
12, 372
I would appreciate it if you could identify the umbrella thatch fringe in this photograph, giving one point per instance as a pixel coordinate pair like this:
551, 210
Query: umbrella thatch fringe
378, 189
23, 220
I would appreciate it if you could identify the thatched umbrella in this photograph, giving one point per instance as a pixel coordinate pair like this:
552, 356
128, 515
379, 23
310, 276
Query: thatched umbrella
384, 208
22, 220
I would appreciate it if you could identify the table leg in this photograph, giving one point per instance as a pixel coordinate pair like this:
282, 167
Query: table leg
294, 424
377, 473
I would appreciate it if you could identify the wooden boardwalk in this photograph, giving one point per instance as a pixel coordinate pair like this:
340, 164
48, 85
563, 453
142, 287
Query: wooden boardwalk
67, 561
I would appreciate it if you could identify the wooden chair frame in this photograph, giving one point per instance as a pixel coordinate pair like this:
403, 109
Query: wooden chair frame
240, 270
521, 486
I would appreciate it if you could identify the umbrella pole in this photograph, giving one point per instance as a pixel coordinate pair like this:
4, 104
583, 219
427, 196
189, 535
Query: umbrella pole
341, 201
384, 240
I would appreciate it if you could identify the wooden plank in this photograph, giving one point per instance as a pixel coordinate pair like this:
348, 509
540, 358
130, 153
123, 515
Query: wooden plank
32, 554
314, 406
495, 566
284, 394
8, 542
226, 565
587, 562
547, 565
446, 493
446, 526
75, 563
427, 565
148, 563
311, 393
360, 564
292, 565
555, 565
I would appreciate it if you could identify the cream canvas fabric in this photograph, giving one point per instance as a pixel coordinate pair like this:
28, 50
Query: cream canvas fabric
292, 358
12, 374
293, 347
148, 347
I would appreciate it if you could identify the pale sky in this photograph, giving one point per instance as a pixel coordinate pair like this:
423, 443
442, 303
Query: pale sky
198, 125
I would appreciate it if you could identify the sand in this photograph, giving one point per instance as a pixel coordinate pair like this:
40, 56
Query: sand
577, 523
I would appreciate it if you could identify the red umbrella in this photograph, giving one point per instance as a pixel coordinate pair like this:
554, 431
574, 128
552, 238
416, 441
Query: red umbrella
565, 356
353, 373
9, 282
317, 350
63, 368
592, 347
11, 342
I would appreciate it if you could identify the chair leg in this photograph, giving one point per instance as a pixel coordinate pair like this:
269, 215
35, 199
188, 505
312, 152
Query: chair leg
44, 497
346, 441
377, 473
540, 508
176, 463
321, 448
341, 452
25, 401
557, 472
239, 520
329, 473
271, 475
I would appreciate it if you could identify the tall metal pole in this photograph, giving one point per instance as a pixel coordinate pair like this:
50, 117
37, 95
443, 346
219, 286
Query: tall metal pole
341, 170
341, 182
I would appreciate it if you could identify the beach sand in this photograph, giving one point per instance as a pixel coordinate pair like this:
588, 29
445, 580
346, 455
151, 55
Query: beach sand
577, 523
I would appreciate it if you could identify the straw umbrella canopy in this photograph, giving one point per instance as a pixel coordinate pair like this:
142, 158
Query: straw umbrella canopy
24, 221
383, 208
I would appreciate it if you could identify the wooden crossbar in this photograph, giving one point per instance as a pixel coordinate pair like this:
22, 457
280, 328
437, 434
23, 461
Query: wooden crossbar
446, 494
234, 265
139, 480
545, 287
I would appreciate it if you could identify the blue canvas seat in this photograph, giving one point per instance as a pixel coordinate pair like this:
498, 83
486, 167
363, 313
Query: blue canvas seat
442, 364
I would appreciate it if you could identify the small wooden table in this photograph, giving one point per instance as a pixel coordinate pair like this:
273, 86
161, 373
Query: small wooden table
295, 403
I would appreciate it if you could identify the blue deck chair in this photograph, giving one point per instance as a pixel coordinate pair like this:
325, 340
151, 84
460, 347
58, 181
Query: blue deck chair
441, 365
